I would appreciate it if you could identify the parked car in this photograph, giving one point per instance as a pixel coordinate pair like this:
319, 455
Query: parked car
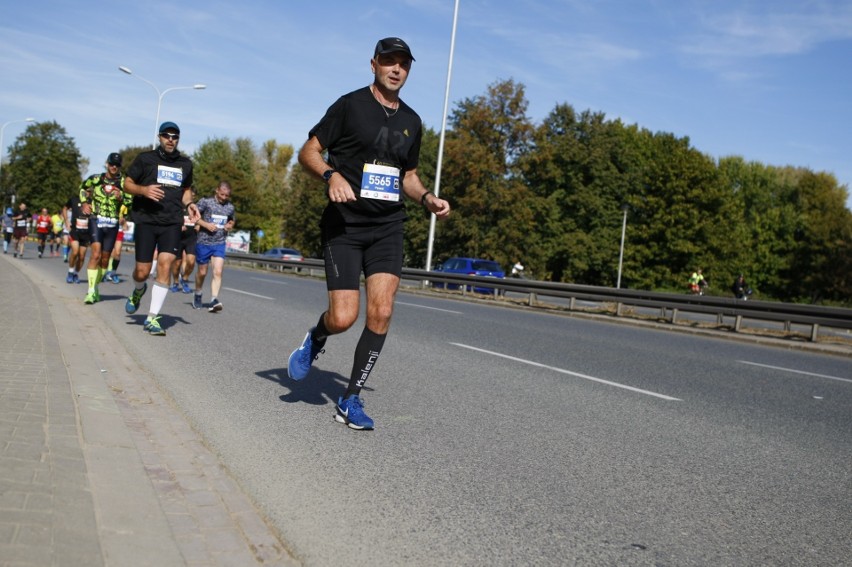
471, 267
284, 254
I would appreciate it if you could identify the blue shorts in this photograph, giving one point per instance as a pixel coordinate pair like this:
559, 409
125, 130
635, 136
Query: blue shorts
203, 252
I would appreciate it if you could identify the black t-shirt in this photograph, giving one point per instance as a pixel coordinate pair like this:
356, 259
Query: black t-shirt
76, 207
21, 218
173, 173
357, 130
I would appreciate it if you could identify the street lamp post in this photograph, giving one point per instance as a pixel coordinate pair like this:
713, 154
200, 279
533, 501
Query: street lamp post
160, 95
431, 238
624, 208
2, 149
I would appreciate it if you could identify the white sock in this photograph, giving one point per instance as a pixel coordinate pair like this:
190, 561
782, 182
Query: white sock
158, 297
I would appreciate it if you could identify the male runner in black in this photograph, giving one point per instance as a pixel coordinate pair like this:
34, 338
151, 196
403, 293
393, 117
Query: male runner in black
373, 143
160, 181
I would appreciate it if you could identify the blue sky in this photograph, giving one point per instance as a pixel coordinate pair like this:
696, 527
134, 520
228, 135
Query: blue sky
768, 80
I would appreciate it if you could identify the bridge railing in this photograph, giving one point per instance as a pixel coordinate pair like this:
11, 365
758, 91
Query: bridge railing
671, 305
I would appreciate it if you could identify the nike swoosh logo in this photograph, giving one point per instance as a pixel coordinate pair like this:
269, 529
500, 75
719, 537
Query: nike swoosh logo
345, 413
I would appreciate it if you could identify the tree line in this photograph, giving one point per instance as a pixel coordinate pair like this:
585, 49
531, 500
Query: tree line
551, 195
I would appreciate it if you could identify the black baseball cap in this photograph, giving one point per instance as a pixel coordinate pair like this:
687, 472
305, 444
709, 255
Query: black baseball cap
114, 159
391, 45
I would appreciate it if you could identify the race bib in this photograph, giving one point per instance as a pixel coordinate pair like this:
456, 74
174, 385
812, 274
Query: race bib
9, 229
106, 222
82, 223
219, 220
172, 176
380, 182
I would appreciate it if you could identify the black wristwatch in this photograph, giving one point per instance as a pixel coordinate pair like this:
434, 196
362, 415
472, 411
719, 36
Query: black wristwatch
326, 175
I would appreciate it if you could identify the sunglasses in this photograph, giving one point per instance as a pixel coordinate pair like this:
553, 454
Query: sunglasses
170, 136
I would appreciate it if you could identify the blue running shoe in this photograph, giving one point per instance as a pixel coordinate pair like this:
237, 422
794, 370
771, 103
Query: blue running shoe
351, 412
152, 327
184, 284
76, 277
115, 279
196, 301
175, 288
133, 301
69, 278
301, 359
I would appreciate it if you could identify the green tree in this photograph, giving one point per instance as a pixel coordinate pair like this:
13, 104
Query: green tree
481, 178
242, 166
272, 173
304, 202
766, 222
416, 237
585, 168
44, 166
678, 213
821, 262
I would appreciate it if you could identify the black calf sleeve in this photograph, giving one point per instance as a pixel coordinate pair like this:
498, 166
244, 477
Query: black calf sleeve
366, 354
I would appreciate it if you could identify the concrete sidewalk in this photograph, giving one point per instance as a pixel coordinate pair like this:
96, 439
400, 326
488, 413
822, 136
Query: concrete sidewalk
96, 466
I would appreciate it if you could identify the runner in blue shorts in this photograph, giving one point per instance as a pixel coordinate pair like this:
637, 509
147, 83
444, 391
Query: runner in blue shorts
217, 219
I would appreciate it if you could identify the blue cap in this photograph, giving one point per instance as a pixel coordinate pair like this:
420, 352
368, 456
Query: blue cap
9, 211
169, 126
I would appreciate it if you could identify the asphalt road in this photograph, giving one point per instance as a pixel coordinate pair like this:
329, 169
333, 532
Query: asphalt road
509, 437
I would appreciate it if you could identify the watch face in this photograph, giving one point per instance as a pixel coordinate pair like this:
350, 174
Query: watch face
327, 174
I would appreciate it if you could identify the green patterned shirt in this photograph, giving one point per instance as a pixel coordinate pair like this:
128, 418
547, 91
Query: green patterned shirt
107, 197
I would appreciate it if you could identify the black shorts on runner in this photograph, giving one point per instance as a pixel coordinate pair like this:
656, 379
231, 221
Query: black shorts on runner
81, 237
350, 250
188, 239
105, 235
150, 237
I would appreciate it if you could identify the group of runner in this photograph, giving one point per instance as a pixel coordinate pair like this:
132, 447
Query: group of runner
49, 230
170, 229
366, 149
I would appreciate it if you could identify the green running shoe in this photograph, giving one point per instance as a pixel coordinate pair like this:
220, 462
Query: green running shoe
152, 327
133, 301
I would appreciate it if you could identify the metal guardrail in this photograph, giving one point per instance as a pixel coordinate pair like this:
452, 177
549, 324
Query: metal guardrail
671, 305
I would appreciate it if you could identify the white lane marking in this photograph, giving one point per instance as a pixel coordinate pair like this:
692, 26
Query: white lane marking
427, 307
577, 374
796, 371
251, 294
266, 280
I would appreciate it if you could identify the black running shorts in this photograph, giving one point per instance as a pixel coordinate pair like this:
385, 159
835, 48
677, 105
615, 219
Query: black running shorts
150, 237
350, 250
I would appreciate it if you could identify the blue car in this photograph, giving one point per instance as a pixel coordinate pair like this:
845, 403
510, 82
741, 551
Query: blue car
471, 267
